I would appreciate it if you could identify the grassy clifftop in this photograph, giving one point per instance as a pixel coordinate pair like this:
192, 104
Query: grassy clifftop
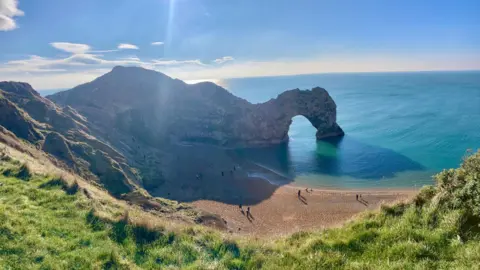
49, 223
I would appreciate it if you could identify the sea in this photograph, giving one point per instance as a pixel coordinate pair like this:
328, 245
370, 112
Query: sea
400, 128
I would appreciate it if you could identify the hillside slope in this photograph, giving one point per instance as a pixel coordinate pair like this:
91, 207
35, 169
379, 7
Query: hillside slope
134, 129
64, 134
48, 223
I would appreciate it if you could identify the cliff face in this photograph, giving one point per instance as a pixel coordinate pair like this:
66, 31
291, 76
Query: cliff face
155, 108
63, 134
268, 123
131, 128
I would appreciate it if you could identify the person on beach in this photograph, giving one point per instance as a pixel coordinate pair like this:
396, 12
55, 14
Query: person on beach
248, 211
240, 206
357, 197
299, 193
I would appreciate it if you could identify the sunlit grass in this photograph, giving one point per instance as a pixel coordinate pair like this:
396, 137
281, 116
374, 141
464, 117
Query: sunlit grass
50, 223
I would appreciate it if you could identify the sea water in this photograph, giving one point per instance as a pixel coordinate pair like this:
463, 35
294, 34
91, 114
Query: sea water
401, 128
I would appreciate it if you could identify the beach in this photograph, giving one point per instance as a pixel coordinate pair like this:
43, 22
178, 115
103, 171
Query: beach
284, 213
216, 181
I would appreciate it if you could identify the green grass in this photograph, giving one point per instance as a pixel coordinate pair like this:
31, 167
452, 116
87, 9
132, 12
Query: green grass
46, 223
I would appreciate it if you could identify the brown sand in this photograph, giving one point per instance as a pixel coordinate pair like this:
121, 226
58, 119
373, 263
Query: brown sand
276, 210
284, 213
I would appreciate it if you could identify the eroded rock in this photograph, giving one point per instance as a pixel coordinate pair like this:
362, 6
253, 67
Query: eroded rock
157, 109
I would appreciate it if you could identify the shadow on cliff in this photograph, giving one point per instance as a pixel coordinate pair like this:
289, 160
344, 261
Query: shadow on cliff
251, 175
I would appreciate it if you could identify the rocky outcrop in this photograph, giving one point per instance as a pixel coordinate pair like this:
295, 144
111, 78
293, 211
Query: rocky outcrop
56, 145
268, 123
17, 121
64, 135
39, 108
108, 171
124, 129
156, 109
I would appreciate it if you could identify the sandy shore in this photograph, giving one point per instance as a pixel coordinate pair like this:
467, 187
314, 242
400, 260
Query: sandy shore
228, 180
284, 213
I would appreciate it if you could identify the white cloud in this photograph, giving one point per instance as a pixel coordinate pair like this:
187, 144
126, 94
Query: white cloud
103, 51
82, 59
126, 46
131, 58
157, 43
71, 47
223, 59
8, 10
176, 62
85, 65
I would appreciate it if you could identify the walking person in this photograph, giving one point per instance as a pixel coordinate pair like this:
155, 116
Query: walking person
248, 211
299, 193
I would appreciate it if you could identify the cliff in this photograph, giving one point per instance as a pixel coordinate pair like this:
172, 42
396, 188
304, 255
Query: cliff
127, 129
158, 109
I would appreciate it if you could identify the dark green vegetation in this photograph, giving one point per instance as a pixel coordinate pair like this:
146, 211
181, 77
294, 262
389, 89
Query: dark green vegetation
46, 223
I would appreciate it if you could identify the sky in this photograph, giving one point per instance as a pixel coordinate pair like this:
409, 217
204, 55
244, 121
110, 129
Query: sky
58, 44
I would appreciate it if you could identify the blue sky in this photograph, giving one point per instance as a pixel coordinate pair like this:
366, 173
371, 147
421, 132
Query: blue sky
61, 43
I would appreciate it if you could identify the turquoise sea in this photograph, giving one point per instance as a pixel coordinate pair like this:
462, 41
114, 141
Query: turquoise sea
401, 128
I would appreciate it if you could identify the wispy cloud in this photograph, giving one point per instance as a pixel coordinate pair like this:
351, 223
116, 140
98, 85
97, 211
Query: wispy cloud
103, 51
131, 58
9, 10
126, 46
71, 47
157, 43
176, 62
84, 64
83, 58
223, 59
77, 48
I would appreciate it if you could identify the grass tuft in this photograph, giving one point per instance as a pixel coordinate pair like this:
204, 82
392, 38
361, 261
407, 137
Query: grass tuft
69, 187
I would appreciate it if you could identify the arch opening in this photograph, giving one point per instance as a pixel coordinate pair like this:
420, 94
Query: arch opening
301, 129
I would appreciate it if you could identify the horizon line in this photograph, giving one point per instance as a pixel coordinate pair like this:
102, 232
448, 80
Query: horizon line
288, 75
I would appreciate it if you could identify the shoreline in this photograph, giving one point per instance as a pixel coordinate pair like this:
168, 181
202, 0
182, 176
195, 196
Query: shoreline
284, 213
258, 171
353, 190
228, 180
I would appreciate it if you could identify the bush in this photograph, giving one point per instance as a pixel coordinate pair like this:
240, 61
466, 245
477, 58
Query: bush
424, 196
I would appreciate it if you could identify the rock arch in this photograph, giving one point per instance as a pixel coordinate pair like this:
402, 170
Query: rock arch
269, 122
